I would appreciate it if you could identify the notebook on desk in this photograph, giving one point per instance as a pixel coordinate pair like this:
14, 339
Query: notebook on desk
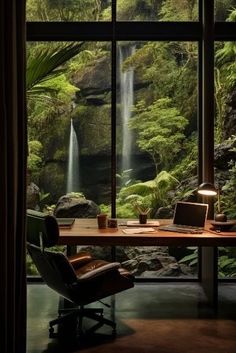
189, 217
65, 222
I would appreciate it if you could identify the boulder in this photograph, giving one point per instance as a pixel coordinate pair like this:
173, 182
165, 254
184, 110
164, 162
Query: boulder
32, 196
164, 213
224, 153
68, 206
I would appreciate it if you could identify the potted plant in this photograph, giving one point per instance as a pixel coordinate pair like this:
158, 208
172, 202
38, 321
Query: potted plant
142, 208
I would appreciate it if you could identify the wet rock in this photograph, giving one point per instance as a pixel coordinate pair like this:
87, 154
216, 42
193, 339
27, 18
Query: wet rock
68, 206
32, 196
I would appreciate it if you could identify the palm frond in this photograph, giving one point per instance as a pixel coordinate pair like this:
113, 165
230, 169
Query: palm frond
46, 63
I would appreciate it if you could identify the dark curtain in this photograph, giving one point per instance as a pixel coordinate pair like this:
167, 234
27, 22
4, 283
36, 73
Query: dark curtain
12, 177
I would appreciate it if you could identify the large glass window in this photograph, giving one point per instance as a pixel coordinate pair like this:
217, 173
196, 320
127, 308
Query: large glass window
156, 140
76, 103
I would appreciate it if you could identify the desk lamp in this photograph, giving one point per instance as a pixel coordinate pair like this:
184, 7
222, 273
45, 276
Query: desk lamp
208, 189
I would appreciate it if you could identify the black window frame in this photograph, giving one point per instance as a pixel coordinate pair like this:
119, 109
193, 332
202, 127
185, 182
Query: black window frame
205, 32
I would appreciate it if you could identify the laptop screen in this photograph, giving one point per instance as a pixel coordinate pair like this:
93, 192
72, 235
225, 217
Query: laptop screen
190, 214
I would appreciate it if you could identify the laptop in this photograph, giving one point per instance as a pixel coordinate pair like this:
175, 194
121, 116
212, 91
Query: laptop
189, 217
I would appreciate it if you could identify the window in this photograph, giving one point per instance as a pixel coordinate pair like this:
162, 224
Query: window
130, 91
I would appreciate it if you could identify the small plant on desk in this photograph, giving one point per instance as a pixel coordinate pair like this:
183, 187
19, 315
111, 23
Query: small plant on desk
143, 210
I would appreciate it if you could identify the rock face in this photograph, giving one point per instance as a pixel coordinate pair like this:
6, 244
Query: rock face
32, 196
230, 121
224, 153
144, 261
67, 207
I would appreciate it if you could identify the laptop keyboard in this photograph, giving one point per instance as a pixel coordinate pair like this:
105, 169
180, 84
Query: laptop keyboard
182, 229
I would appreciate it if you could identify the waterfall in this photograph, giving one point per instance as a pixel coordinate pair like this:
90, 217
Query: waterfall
126, 100
73, 162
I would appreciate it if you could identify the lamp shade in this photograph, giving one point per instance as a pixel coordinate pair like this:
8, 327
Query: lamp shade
207, 189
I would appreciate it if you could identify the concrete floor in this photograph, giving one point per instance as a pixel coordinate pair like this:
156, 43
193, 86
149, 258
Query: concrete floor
159, 317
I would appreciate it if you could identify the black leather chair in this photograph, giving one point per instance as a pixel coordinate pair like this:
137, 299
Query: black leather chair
81, 282
43, 231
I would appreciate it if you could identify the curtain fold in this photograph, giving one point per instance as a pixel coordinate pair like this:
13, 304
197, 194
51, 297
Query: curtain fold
13, 151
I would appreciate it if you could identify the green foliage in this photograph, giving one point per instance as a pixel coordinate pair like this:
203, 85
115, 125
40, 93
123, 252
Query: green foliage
50, 209
76, 195
222, 9
43, 197
125, 210
179, 10
151, 194
228, 193
170, 69
44, 64
186, 166
225, 80
105, 209
159, 130
124, 179
138, 10
191, 259
35, 158
66, 10
49, 90
226, 261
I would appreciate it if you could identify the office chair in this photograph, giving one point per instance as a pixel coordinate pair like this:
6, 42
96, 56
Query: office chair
43, 231
86, 282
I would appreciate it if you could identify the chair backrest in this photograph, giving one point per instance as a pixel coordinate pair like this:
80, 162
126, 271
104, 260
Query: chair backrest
55, 270
42, 227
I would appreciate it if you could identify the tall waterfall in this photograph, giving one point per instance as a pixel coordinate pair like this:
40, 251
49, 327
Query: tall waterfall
126, 100
73, 163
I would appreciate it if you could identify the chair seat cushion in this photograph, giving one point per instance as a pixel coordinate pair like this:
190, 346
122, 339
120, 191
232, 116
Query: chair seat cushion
80, 259
95, 268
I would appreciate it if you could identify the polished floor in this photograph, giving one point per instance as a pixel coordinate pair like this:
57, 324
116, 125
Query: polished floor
159, 317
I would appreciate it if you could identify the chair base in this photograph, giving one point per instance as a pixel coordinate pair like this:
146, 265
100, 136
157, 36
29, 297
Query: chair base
76, 316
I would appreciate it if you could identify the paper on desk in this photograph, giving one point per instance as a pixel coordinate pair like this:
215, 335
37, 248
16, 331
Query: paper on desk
138, 230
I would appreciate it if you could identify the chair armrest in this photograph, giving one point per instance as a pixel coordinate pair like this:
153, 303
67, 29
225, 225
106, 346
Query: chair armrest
99, 271
80, 259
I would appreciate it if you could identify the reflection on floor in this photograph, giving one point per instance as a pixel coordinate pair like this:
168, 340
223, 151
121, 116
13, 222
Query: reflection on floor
159, 317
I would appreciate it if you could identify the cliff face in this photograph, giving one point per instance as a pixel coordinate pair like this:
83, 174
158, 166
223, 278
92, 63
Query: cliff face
230, 121
92, 122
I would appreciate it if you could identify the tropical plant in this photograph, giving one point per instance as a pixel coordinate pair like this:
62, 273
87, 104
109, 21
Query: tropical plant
226, 260
150, 194
160, 131
190, 259
45, 64
225, 80
228, 194
124, 178
42, 200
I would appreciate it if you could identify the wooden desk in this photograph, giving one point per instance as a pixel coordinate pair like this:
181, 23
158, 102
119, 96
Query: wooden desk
85, 232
